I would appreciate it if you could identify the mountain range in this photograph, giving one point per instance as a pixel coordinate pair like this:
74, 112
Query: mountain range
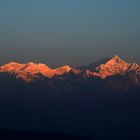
104, 68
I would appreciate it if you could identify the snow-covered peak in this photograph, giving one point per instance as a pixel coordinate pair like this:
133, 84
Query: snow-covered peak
113, 66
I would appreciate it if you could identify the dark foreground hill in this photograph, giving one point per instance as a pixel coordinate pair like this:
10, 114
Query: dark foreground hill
7, 134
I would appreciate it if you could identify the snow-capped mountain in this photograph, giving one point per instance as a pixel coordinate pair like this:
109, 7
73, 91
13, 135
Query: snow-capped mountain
111, 67
31, 71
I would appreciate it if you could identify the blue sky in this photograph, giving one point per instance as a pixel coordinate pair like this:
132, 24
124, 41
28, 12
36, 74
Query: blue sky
75, 32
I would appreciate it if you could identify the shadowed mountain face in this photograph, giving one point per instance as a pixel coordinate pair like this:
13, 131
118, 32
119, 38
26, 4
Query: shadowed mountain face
92, 66
98, 101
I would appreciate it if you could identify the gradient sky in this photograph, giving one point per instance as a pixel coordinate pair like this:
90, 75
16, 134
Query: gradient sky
75, 32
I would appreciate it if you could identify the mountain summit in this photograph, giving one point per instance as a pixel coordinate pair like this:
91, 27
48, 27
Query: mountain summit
113, 66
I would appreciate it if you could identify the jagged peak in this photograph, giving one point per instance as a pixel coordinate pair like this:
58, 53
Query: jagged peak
36, 65
41, 64
116, 57
11, 63
113, 66
31, 63
65, 68
10, 66
116, 60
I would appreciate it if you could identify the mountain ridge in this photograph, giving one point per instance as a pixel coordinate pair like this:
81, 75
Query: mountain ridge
29, 71
105, 68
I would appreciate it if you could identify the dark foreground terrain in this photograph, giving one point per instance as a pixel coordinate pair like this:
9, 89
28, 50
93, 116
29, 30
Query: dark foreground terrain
25, 135
96, 116
7, 134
